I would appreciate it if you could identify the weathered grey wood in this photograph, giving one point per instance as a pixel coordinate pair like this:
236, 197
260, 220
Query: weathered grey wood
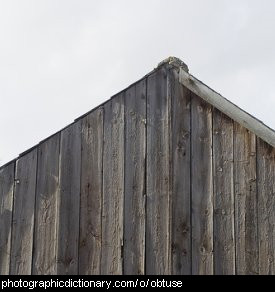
47, 193
91, 194
227, 107
69, 200
174, 62
224, 235
135, 151
181, 158
266, 207
6, 202
158, 249
202, 187
113, 187
23, 214
247, 259
152, 182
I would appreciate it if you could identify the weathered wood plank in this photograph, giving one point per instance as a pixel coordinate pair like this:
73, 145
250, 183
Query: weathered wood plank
23, 214
113, 187
69, 200
158, 249
91, 194
47, 193
202, 187
6, 203
227, 107
181, 159
135, 151
247, 259
266, 207
224, 235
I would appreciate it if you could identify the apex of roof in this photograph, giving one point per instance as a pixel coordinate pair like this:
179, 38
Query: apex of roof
221, 103
176, 62
206, 93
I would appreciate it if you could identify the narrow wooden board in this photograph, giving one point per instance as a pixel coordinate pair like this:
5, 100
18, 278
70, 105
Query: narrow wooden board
202, 188
47, 193
228, 108
6, 204
181, 159
158, 247
69, 200
113, 187
247, 251
224, 233
23, 214
91, 194
266, 207
135, 151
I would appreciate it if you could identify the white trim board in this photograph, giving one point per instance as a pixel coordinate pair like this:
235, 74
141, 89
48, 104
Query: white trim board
227, 107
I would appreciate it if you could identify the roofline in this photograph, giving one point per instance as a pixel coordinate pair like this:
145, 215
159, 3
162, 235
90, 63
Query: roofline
86, 114
227, 107
199, 88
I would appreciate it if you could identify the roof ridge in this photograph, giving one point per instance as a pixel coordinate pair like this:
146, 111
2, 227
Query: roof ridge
174, 61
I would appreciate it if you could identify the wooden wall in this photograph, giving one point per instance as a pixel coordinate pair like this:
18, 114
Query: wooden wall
154, 181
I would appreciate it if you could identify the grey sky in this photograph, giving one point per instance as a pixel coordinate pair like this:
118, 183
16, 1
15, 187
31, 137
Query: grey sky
61, 58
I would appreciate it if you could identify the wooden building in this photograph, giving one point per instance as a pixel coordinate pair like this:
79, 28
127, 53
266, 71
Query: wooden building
166, 177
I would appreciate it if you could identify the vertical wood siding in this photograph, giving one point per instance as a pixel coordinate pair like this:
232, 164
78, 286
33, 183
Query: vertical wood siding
202, 188
69, 200
113, 187
6, 202
47, 194
158, 177
181, 178
266, 207
135, 191
246, 221
154, 181
23, 214
91, 193
223, 179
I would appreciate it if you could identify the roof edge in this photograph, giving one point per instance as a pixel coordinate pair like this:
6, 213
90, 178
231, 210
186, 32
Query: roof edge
199, 88
165, 62
227, 107
175, 62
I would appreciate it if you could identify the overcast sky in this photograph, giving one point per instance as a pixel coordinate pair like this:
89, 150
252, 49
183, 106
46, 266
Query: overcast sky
61, 58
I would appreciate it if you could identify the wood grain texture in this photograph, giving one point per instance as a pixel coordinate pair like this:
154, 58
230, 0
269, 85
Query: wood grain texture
247, 257
69, 200
228, 108
202, 188
6, 204
224, 233
23, 214
181, 159
266, 207
158, 249
113, 187
47, 193
91, 194
158, 180
135, 151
